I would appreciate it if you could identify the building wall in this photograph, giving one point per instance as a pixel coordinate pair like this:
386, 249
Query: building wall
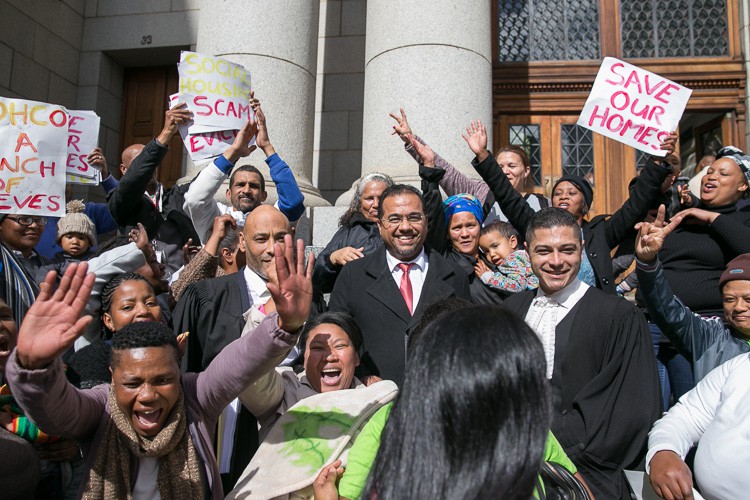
339, 100
745, 37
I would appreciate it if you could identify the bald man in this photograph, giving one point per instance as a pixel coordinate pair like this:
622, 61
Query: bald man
141, 198
212, 311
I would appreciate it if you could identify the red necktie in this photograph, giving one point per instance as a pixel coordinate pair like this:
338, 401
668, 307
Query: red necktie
405, 286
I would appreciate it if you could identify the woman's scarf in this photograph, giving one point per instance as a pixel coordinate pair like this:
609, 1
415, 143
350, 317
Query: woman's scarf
20, 291
462, 203
740, 158
179, 467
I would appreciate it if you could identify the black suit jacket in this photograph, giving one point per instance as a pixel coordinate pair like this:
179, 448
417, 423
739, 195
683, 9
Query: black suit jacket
366, 290
605, 387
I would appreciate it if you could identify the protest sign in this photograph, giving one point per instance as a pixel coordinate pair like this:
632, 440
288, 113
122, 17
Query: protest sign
216, 91
634, 106
77, 179
205, 145
83, 137
33, 154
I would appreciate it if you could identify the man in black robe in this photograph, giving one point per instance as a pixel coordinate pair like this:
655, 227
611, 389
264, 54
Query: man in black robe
599, 358
213, 311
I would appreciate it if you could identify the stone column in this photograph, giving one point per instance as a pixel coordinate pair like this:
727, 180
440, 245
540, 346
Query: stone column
277, 41
433, 57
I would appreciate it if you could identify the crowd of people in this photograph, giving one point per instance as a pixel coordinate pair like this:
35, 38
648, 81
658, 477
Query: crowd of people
166, 345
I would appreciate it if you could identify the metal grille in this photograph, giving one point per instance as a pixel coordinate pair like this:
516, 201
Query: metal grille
674, 28
548, 30
528, 138
641, 157
577, 152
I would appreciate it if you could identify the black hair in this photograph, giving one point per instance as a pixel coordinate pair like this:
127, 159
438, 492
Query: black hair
143, 334
435, 310
340, 319
231, 239
356, 203
248, 168
505, 229
473, 414
396, 190
114, 242
108, 291
548, 218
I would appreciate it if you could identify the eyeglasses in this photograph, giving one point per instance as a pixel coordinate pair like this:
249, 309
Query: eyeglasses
396, 220
27, 221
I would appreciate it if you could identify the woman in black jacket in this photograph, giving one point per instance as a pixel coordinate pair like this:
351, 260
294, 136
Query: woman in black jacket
358, 233
600, 234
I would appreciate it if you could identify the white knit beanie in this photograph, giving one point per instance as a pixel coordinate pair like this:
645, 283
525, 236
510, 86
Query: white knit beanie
76, 221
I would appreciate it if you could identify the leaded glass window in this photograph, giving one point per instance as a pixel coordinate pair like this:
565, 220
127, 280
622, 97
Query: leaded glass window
577, 151
674, 28
528, 138
548, 30
641, 158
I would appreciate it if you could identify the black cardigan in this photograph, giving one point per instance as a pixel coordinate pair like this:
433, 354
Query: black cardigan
602, 233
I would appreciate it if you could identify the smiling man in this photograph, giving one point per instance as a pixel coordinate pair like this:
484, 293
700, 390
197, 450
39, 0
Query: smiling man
599, 358
388, 290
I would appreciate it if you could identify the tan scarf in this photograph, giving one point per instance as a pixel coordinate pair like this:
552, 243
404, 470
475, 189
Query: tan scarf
179, 468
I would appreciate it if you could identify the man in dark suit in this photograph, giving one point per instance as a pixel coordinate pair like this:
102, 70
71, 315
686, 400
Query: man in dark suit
605, 388
387, 291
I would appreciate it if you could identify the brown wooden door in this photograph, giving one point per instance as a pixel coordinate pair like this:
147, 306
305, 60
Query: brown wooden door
146, 95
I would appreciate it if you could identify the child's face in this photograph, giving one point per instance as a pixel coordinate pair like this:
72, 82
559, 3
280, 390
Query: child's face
497, 247
74, 244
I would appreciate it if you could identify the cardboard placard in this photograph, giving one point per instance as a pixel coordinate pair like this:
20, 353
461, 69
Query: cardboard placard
83, 137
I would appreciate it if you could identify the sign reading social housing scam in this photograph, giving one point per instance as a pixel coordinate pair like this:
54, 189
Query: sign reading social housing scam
634, 106
33, 155
216, 91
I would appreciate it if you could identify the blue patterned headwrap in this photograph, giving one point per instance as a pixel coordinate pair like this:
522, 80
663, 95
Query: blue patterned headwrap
462, 203
741, 159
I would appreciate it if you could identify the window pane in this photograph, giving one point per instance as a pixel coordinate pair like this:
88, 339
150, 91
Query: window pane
577, 152
641, 158
527, 137
548, 30
674, 28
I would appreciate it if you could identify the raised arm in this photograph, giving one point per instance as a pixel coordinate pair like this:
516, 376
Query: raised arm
35, 370
291, 200
431, 197
453, 182
511, 202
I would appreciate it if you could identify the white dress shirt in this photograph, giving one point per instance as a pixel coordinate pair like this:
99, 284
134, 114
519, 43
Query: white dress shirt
417, 274
547, 311
256, 287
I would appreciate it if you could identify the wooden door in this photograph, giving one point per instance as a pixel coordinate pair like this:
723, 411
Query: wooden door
146, 95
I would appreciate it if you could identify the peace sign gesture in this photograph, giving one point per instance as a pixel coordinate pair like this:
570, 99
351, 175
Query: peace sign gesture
651, 236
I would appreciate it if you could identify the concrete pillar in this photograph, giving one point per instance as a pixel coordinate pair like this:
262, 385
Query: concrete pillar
433, 57
277, 41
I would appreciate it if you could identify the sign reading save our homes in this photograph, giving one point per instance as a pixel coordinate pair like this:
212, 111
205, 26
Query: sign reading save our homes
33, 156
634, 106
217, 91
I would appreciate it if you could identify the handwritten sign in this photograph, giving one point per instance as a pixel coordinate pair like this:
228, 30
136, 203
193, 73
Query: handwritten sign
216, 91
77, 179
33, 155
204, 145
83, 137
634, 106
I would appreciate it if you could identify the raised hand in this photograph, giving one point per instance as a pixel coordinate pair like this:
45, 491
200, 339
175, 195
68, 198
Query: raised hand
240, 147
172, 119
96, 159
668, 144
54, 320
425, 152
261, 139
402, 127
292, 291
476, 138
139, 236
188, 251
651, 235
670, 476
698, 216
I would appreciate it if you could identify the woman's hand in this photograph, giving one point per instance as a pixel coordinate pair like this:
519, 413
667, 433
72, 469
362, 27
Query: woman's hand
324, 486
402, 127
686, 198
698, 216
292, 291
476, 138
343, 256
425, 153
54, 320
480, 268
670, 476
668, 145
